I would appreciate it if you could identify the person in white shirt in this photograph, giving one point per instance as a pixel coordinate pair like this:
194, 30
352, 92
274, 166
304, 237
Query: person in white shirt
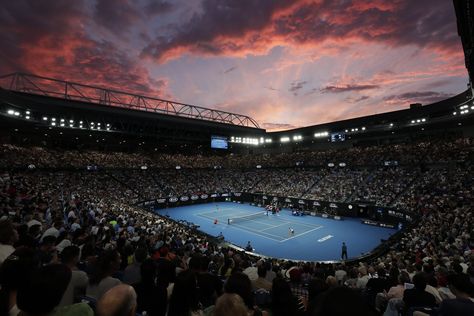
8, 236
53, 231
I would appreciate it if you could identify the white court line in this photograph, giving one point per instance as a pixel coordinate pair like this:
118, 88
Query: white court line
274, 226
255, 232
302, 234
225, 215
299, 223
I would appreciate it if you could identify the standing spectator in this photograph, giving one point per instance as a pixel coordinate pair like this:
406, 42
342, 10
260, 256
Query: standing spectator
151, 298
184, 300
131, 274
101, 279
79, 280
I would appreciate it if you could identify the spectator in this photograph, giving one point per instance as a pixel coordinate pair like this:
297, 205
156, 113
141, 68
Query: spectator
341, 301
230, 305
463, 304
131, 274
283, 301
184, 300
261, 282
151, 298
16, 272
43, 292
418, 297
79, 279
101, 279
8, 236
120, 300
239, 283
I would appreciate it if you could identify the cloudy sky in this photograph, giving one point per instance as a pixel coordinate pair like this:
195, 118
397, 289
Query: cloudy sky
284, 63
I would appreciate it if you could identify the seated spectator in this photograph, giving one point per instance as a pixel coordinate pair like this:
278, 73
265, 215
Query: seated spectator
297, 287
47, 250
316, 287
363, 278
230, 305
463, 304
418, 297
121, 300
283, 301
341, 301
239, 283
394, 292
261, 282
8, 237
14, 273
101, 279
41, 294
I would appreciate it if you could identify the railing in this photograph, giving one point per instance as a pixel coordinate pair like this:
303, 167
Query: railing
67, 90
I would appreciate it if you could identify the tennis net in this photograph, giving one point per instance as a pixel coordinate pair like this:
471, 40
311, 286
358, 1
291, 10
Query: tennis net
233, 220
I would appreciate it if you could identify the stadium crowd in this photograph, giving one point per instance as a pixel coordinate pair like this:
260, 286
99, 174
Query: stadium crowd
73, 243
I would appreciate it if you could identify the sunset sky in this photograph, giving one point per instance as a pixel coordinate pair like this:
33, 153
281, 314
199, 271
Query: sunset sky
285, 63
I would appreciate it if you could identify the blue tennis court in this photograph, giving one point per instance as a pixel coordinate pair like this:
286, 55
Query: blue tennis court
282, 235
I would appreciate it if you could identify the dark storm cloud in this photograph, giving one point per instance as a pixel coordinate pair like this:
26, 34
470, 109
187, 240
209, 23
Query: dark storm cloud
28, 21
357, 99
347, 88
229, 26
277, 126
117, 16
296, 86
48, 38
230, 69
228, 18
417, 96
157, 7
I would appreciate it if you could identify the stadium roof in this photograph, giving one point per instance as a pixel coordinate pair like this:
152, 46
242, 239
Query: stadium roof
72, 91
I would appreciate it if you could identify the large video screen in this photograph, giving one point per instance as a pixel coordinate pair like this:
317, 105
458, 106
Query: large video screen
338, 137
219, 142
